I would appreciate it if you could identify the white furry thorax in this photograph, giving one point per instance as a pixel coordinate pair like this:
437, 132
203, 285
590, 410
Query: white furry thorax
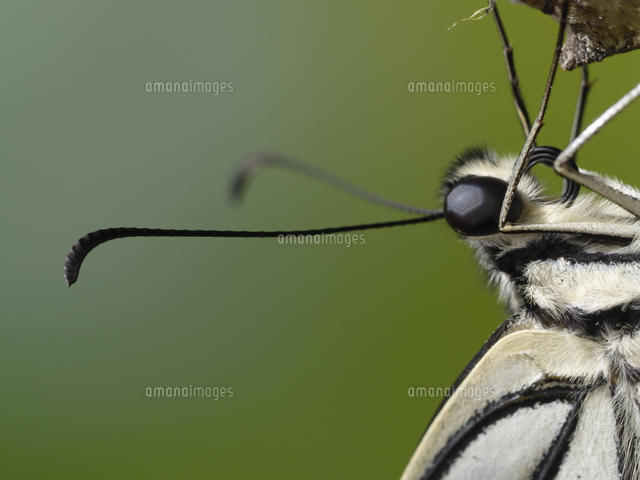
583, 273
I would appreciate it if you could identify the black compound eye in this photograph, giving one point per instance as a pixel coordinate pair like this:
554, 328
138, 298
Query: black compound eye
473, 206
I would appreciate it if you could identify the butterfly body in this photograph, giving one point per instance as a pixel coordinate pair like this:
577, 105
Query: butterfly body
559, 379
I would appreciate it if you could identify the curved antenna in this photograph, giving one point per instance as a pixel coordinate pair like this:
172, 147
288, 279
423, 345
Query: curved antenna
256, 162
90, 241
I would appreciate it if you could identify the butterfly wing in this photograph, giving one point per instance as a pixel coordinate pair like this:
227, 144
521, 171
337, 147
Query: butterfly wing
532, 404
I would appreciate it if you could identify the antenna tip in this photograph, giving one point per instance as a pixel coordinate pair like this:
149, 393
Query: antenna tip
236, 188
70, 276
243, 173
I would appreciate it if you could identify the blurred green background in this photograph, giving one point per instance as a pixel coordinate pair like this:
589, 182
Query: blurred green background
318, 343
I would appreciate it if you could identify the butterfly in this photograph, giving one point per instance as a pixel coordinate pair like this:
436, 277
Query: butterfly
559, 378
555, 391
